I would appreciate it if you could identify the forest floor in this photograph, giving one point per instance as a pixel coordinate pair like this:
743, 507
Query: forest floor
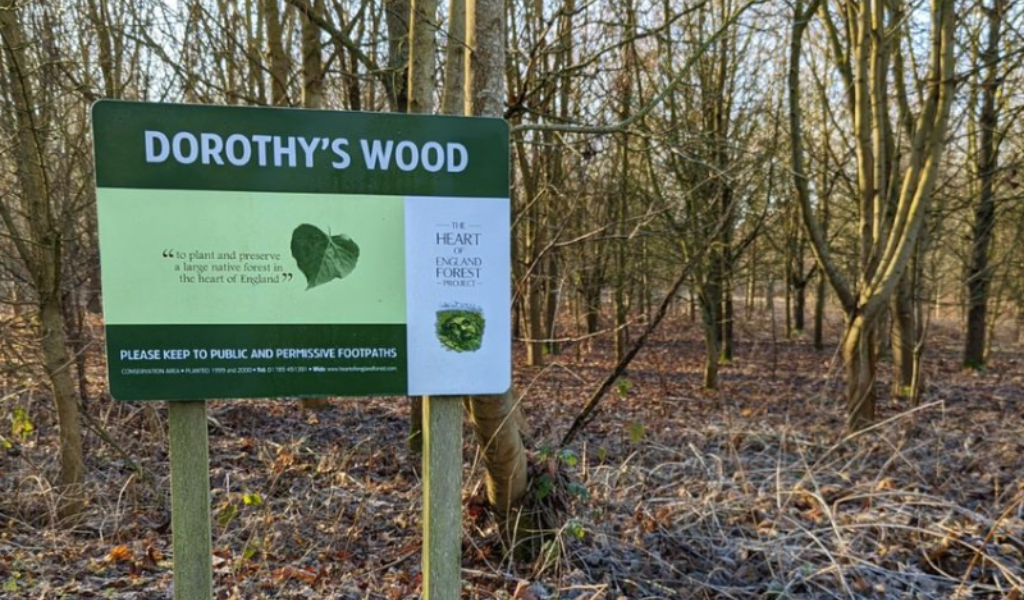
750, 491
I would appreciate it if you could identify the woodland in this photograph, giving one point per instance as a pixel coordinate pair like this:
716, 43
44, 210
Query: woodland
767, 309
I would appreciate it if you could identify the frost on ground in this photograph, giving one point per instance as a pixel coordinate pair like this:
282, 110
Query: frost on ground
751, 491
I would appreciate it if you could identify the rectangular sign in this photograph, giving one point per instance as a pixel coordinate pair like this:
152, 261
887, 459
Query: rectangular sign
258, 252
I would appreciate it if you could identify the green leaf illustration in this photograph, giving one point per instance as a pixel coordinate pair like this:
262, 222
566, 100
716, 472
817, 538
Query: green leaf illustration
460, 330
323, 257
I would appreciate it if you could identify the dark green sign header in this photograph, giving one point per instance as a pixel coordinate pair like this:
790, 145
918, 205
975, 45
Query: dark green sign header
168, 146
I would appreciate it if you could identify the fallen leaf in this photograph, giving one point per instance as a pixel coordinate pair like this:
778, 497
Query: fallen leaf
301, 573
120, 553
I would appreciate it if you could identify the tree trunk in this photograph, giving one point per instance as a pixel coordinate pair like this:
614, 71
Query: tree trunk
890, 221
789, 301
799, 305
534, 321
748, 304
494, 417
312, 60
592, 307
904, 337
919, 299
312, 97
727, 330
551, 304
452, 100
275, 50
397, 17
57, 363
979, 274
819, 313
422, 61
420, 89
711, 354
861, 362
496, 427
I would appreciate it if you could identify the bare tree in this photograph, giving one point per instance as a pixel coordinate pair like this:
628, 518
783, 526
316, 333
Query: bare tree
34, 221
891, 206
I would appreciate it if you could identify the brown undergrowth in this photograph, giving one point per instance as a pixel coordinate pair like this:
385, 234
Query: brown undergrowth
750, 491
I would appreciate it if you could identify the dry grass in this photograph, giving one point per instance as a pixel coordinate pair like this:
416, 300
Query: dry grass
751, 491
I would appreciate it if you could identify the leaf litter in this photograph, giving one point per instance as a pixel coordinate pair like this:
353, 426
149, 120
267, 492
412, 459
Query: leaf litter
751, 491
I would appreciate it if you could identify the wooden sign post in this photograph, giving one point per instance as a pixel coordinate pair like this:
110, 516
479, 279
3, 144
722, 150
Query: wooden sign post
190, 500
442, 497
265, 253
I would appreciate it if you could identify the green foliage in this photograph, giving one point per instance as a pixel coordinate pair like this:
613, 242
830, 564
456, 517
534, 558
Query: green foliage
460, 330
623, 385
579, 490
252, 499
636, 432
322, 257
227, 514
11, 585
21, 424
575, 529
544, 487
569, 458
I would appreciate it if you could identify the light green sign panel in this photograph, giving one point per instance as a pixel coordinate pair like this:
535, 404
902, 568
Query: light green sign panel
257, 252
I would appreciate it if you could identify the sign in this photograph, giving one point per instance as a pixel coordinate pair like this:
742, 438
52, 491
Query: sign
258, 252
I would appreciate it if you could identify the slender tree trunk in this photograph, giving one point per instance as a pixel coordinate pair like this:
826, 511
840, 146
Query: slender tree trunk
275, 49
312, 97
860, 360
534, 299
904, 336
57, 364
397, 18
422, 61
452, 99
312, 60
821, 287
551, 304
420, 89
819, 313
622, 200
255, 22
979, 275
494, 417
728, 350
711, 328
748, 304
788, 279
920, 299
592, 307
799, 305
693, 300
97, 14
